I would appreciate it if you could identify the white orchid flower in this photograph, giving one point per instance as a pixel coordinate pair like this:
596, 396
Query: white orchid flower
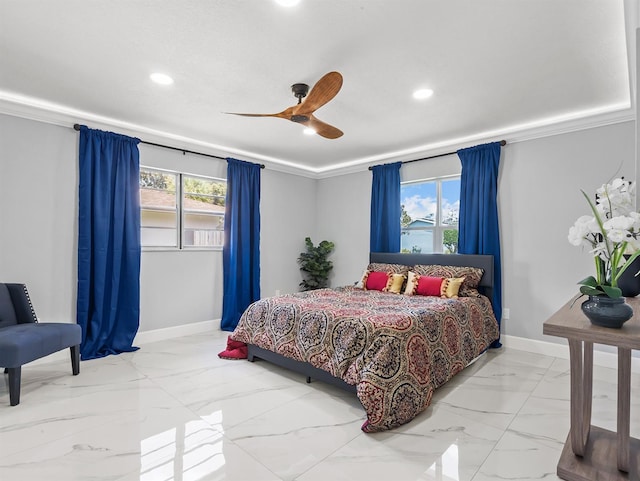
619, 222
582, 227
612, 235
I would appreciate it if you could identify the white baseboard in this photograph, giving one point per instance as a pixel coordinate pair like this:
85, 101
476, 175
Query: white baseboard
603, 356
155, 335
536, 347
600, 357
146, 337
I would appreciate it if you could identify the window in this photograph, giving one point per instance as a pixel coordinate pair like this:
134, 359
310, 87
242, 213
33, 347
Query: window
158, 208
429, 215
180, 210
203, 211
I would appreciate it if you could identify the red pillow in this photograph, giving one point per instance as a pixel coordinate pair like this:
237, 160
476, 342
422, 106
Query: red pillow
429, 286
376, 281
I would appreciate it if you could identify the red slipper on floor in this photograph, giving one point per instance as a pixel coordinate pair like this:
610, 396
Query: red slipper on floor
239, 353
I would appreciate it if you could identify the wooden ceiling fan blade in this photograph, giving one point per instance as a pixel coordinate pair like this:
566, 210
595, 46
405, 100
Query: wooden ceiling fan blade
324, 90
285, 114
322, 128
250, 115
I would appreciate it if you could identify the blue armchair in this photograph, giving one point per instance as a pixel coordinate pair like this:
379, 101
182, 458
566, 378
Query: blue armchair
23, 339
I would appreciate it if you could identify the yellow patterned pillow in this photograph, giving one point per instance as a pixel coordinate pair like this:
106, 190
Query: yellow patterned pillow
396, 283
450, 287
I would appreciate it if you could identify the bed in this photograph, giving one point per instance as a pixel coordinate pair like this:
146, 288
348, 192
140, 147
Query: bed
392, 346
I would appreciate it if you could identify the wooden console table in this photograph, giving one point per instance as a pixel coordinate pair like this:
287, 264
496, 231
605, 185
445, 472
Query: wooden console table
591, 452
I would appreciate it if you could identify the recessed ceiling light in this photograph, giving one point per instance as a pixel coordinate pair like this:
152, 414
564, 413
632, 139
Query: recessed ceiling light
422, 94
161, 78
309, 131
287, 3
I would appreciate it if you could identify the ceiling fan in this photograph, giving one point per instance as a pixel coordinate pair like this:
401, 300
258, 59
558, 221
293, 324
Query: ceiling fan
322, 92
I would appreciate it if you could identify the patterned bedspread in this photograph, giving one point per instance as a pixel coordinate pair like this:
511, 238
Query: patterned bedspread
395, 349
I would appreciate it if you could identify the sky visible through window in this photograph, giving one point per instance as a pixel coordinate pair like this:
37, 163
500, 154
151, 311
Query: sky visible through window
421, 202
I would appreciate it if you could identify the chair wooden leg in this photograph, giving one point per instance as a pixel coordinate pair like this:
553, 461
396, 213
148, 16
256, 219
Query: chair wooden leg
15, 374
75, 360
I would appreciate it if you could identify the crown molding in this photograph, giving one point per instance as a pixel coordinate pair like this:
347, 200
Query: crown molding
55, 114
33, 109
513, 134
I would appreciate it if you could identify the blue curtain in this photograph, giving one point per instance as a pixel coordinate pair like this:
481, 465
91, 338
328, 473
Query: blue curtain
241, 251
385, 208
108, 303
479, 232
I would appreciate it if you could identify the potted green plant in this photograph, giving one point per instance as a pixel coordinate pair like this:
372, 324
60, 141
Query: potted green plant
612, 235
315, 265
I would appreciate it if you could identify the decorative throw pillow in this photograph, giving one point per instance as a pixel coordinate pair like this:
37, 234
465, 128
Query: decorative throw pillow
450, 287
390, 268
472, 276
423, 285
383, 281
428, 286
396, 284
376, 281
412, 283
363, 279
396, 275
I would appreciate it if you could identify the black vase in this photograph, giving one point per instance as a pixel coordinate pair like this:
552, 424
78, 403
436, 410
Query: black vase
628, 282
607, 312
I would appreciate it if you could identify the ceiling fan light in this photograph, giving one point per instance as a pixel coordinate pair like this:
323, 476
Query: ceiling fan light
309, 131
287, 3
422, 94
161, 78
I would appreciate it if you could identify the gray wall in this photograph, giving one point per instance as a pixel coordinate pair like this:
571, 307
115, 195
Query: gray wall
287, 208
38, 237
539, 199
38, 195
343, 218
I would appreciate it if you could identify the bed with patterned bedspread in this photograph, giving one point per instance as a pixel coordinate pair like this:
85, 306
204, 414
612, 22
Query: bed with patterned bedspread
395, 349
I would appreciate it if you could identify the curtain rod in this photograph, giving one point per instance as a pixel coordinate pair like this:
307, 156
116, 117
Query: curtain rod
502, 143
184, 151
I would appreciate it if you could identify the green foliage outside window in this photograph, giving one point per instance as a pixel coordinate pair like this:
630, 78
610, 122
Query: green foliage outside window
450, 241
205, 190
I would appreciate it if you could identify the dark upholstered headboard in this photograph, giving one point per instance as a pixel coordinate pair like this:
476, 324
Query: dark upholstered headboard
485, 262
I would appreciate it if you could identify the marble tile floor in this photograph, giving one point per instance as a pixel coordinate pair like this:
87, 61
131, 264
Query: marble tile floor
174, 411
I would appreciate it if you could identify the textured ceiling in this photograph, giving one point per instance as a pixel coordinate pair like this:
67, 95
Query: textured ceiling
496, 66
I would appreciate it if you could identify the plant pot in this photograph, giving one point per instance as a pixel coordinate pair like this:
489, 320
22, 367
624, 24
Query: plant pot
628, 281
607, 312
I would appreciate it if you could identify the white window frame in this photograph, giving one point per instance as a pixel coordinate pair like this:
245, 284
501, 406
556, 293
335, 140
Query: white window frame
180, 212
438, 228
